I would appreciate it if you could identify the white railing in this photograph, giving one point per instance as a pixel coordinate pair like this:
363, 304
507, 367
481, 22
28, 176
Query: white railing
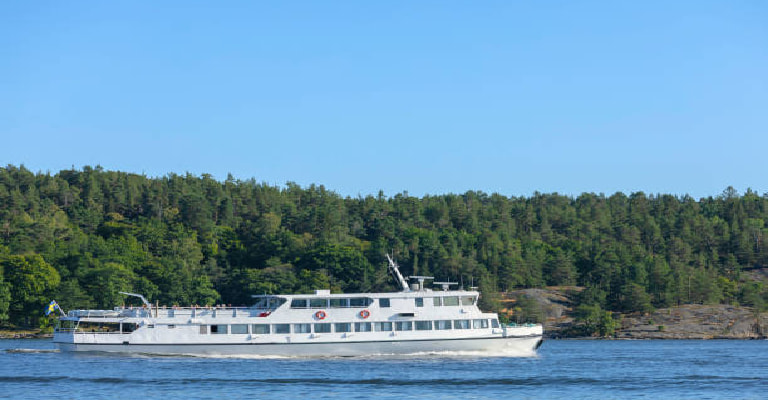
170, 312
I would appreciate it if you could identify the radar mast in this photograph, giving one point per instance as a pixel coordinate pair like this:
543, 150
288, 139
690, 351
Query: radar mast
398, 276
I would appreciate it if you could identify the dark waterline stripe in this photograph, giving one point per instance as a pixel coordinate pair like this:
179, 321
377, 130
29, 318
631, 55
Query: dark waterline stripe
378, 381
297, 344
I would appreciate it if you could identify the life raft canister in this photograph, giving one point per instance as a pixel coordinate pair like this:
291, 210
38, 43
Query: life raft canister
320, 315
365, 314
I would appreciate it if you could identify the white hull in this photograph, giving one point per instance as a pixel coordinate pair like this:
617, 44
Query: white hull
497, 346
414, 321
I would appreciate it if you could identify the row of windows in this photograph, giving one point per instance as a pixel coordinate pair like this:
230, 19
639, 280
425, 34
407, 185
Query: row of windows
447, 301
343, 327
362, 302
354, 302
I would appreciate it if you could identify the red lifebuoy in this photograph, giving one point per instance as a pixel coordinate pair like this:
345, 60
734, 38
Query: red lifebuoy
365, 314
320, 315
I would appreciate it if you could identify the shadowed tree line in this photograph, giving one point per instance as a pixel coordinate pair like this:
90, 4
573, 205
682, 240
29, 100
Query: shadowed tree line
80, 236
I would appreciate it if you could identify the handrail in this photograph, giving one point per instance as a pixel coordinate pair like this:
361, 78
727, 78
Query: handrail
165, 311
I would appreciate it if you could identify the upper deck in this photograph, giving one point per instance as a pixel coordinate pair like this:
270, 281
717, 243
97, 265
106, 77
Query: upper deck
266, 305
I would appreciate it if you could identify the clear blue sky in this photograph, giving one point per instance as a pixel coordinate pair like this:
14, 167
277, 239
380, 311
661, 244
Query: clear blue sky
429, 97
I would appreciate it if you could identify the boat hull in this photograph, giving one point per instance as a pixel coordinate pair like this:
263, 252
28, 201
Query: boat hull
495, 346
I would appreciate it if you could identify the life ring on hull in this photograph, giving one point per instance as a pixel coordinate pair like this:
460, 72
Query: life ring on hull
365, 314
320, 315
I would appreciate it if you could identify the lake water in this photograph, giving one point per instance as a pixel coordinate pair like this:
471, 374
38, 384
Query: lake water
564, 369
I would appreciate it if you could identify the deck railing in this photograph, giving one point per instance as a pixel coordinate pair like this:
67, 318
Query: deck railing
170, 312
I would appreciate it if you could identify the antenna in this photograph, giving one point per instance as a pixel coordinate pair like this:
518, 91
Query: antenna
398, 276
445, 285
421, 280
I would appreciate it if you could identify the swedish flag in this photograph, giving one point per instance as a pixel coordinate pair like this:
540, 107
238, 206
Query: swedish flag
53, 306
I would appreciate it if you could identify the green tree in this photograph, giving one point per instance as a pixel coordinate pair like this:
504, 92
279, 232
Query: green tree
752, 295
490, 299
203, 292
106, 281
5, 300
634, 298
528, 310
32, 282
596, 321
71, 296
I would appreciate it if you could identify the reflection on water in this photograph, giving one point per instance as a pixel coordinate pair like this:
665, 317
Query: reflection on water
562, 369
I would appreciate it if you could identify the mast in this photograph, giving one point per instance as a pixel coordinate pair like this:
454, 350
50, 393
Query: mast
396, 272
143, 299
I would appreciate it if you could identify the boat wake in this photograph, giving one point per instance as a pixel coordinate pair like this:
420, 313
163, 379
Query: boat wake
31, 351
455, 354
241, 356
195, 355
385, 356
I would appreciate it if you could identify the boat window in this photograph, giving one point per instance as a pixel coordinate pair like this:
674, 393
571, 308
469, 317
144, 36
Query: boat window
419, 302
384, 303
339, 303
423, 325
362, 326
360, 302
129, 327
443, 325
218, 329
494, 323
203, 329
467, 300
299, 303
281, 328
302, 328
238, 329
451, 301
342, 327
150, 326
318, 303
171, 326
276, 302
461, 324
382, 326
480, 323
261, 304
269, 303
403, 326
260, 329
323, 328
436, 301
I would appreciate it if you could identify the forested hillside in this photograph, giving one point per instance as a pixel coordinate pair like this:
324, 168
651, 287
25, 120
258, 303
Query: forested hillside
80, 236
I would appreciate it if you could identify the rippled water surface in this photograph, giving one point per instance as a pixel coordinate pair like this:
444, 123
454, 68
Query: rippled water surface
565, 369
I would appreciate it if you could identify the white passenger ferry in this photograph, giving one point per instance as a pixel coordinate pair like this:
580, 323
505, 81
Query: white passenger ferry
414, 320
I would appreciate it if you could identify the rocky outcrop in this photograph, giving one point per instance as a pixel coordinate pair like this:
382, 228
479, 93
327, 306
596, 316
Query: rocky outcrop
554, 307
694, 321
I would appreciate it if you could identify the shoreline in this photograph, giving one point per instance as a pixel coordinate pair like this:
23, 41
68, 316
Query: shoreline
556, 308
24, 334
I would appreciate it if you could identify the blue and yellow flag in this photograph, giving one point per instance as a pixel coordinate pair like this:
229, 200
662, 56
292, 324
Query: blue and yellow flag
53, 306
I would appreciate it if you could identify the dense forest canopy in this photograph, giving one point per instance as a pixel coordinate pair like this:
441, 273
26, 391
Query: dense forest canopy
80, 236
